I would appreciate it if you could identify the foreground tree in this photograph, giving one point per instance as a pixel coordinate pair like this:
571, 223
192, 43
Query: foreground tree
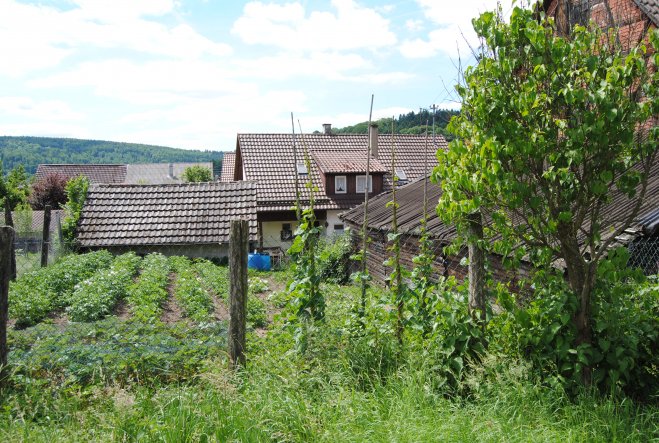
551, 129
50, 190
14, 187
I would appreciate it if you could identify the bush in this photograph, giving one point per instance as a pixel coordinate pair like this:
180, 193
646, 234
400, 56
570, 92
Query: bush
334, 259
50, 190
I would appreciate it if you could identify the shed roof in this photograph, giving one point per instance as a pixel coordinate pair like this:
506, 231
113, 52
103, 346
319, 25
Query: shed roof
228, 166
176, 214
650, 8
270, 160
96, 173
410, 211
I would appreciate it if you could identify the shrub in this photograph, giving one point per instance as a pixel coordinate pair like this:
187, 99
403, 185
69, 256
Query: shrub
334, 259
50, 190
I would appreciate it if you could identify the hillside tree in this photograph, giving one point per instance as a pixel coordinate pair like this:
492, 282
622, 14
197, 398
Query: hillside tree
197, 174
551, 128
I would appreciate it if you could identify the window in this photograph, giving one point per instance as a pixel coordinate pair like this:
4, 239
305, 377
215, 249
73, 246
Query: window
302, 168
286, 233
401, 176
338, 229
361, 183
340, 184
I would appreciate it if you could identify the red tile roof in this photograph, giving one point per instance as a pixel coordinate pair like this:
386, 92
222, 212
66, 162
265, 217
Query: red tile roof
228, 165
269, 160
346, 162
95, 173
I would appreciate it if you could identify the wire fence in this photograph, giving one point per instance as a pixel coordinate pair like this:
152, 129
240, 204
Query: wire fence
644, 254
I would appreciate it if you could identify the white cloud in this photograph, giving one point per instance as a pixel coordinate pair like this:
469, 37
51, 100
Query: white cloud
287, 26
414, 25
452, 32
34, 37
28, 108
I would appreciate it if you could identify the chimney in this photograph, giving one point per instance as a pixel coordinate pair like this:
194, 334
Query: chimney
373, 139
171, 170
328, 128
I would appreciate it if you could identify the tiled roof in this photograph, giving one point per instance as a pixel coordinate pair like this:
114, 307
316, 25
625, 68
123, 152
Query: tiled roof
346, 162
179, 214
269, 160
410, 210
95, 173
651, 9
159, 173
36, 220
228, 165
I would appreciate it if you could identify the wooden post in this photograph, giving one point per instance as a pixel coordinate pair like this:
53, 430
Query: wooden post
45, 242
6, 251
238, 250
9, 221
476, 266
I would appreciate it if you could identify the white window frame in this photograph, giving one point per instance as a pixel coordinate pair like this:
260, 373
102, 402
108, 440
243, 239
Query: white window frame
337, 179
301, 168
360, 186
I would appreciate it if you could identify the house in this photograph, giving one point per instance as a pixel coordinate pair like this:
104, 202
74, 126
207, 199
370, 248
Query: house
641, 238
147, 173
191, 219
336, 164
228, 166
631, 18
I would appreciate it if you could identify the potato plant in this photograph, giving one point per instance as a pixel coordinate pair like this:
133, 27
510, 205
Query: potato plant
214, 277
95, 297
36, 294
188, 291
149, 292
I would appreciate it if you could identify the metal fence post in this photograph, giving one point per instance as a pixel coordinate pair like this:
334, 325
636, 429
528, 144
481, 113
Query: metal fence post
238, 250
6, 251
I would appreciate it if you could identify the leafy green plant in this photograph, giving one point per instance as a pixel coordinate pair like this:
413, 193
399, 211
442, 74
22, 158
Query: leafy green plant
197, 173
188, 291
214, 277
36, 294
334, 259
95, 297
76, 193
149, 292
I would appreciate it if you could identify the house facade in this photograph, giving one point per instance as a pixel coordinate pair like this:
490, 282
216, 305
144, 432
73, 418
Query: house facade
341, 168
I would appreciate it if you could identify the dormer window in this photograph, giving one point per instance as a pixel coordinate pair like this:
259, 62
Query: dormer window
302, 168
340, 184
401, 176
361, 183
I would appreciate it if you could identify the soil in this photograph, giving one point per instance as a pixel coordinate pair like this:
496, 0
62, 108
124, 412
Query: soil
171, 311
121, 310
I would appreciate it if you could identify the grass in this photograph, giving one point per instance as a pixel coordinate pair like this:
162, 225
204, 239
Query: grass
142, 382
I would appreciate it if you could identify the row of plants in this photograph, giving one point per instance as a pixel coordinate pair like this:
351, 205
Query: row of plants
195, 301
34, 295
97, 296
147, 295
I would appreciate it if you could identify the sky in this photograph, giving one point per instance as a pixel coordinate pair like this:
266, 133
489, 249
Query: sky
194, 73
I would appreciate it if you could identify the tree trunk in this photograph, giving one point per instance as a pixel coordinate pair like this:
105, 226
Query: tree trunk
6, 251
476, 267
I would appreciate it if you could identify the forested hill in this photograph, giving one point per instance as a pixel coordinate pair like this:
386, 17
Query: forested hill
411, 123
31, 151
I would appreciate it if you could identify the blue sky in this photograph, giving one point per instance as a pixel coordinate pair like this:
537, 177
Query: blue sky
193, 73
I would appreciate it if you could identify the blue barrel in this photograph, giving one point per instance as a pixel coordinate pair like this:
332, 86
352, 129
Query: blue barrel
260, 262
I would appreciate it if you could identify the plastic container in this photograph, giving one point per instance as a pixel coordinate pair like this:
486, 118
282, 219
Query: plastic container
260, 262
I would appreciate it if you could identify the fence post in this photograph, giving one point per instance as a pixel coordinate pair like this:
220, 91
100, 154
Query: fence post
6, 250
476, 266
9, 221
238, 250
45, 239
